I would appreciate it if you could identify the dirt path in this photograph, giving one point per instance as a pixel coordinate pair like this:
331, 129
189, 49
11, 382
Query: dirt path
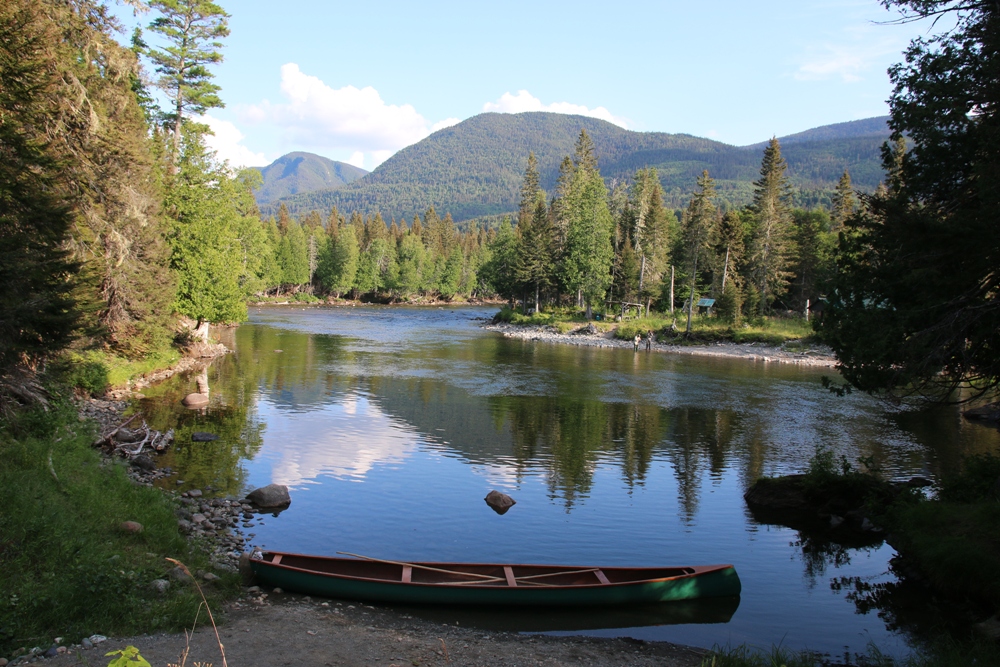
811, 355
295, 630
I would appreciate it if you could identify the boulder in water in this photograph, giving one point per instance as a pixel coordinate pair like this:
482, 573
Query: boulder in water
500, 502
272, 495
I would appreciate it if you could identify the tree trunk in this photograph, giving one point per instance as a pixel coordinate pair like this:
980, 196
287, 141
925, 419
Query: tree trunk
671, 289
725, 270
201, 331
694, 278
536, 298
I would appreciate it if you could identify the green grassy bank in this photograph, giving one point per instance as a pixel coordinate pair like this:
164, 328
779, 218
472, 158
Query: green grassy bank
704, 330
68, 569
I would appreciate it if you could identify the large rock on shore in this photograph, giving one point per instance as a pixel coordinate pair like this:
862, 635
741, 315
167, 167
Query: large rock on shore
195, 400
272, 495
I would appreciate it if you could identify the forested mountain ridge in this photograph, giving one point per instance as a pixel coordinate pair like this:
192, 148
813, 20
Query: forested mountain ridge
301, 172
474, 169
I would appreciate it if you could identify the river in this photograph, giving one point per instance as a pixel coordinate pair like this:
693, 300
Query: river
391, 424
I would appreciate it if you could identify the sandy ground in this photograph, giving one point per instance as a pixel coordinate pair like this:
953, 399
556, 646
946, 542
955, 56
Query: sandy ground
811, 355
296, 630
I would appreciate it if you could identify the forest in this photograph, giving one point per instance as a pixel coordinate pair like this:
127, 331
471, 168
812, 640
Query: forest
117, 219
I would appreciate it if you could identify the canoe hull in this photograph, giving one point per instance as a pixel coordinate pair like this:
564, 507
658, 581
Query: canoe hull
703, 582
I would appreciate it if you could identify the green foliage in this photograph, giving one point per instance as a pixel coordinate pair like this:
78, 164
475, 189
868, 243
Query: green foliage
207, 253
68, 568
127, 657
978, 481
915, 308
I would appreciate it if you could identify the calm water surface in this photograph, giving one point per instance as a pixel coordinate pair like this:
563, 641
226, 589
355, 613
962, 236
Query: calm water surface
390, 425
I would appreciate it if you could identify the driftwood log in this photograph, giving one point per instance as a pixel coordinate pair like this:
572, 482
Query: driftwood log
137, 440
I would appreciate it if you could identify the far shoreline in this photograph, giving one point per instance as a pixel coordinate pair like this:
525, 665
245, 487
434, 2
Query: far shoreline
813, 355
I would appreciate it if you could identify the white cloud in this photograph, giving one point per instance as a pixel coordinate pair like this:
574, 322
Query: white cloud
525, 101
447, 122
226, 140
317, 117
357, 159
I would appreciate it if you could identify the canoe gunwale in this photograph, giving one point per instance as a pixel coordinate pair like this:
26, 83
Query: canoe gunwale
695, 571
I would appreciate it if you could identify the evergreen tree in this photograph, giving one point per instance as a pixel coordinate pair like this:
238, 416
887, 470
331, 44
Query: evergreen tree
410, 263
193, 30
771, 243
535, 261
844, 202
39, 313
589, 253
337, 265
499, 271
293, 256
530, 190
915, 306
206, 249
699, 226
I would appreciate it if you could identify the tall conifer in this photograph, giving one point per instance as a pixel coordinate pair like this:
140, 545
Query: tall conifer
771, 248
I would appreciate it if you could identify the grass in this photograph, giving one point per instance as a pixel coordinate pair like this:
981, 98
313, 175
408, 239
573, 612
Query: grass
94, 371
68, 569
704, 330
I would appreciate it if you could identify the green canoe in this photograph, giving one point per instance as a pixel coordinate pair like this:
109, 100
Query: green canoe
489, 584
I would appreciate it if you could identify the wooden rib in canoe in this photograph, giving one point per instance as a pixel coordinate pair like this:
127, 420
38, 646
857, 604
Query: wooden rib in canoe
489, 583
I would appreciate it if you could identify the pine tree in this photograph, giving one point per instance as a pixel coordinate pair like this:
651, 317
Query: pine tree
530, 189
844, 202
699, 225
535, 262
589, 253
771, 244
499, 271
39, 313
193, 30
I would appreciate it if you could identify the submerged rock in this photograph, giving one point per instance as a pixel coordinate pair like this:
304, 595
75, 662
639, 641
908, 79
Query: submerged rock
500, 502
272, 495
195, 400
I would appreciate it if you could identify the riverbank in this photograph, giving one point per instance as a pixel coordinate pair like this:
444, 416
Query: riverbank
811, 354
283, 629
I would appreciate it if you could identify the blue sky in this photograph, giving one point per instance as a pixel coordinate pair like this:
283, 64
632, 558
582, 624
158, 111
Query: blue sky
358, 81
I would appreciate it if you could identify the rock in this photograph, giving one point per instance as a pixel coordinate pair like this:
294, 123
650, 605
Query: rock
589, 330
3, 662
144, 462
208, 576
184, 525
278, 590
198, 517
85, 643
51, 653
869, 526
194, 493
781, 493
989, 628
835, 521
254, 590
201, 436
500, 502
131, 527
984, 413
272, 495
159, 585
195, 400
98, 639
178, 574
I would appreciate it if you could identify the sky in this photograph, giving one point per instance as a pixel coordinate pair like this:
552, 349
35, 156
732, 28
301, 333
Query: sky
358, 81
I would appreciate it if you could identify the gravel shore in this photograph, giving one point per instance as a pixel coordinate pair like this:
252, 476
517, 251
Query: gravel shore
280, 629
810, 355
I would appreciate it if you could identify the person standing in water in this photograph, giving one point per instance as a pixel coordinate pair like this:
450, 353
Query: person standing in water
649, 340
635, 342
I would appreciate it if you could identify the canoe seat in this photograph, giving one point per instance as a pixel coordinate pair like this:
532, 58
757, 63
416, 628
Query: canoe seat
509, 574
407, 574
601, 577
276, 560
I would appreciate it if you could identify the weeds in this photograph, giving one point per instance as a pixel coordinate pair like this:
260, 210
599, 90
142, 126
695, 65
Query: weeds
67, 567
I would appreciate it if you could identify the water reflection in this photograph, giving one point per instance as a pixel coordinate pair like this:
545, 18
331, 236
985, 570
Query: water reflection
391, 425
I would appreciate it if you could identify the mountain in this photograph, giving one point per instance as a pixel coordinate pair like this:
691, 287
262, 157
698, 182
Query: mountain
474, 169
304, 172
